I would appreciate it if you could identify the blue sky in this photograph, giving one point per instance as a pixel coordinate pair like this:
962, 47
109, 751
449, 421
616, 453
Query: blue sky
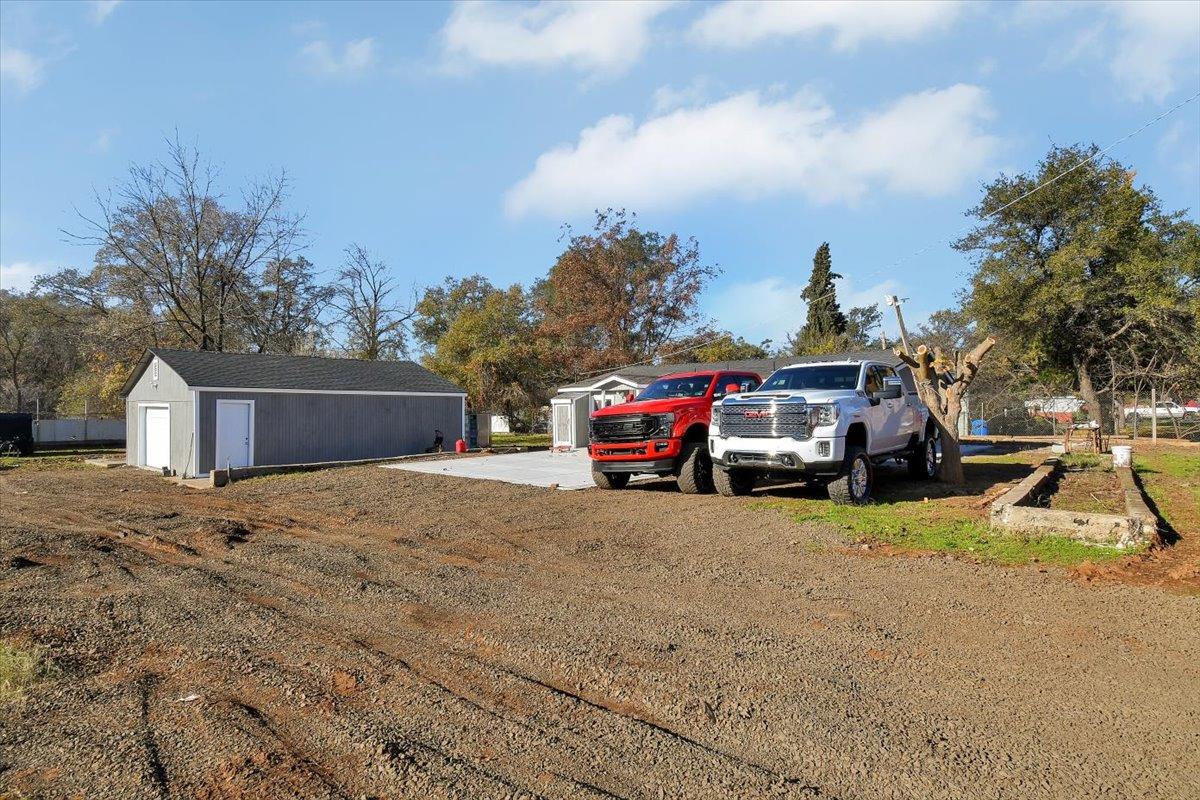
452, 139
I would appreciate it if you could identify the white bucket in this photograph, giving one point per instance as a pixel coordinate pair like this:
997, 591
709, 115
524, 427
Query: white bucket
1122, 455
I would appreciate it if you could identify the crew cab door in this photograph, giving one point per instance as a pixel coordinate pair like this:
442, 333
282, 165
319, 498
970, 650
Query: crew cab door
889, 415
874, 414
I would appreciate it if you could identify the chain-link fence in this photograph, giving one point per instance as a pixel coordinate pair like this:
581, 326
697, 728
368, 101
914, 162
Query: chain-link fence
1002, 414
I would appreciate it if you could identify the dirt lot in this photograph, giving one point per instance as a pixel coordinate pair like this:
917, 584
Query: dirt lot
378, 633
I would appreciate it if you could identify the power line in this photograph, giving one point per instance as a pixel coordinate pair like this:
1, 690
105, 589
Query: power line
938, 241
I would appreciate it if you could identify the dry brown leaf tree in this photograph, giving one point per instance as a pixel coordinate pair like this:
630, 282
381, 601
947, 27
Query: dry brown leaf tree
942, 380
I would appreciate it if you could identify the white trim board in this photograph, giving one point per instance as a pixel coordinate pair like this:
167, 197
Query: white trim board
195, 465
247, 389
594, 386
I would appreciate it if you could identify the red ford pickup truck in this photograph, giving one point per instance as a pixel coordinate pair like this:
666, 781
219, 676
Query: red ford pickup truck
663, 431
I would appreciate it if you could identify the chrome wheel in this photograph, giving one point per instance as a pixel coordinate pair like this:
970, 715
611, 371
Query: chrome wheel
859, 477
931, 458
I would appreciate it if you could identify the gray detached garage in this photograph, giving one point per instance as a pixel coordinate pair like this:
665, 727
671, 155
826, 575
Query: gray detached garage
192, 411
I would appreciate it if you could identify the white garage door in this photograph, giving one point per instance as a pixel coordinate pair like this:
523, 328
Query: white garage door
156, 432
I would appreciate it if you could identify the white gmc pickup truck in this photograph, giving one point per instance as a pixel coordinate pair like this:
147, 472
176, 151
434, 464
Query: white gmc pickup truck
827, 421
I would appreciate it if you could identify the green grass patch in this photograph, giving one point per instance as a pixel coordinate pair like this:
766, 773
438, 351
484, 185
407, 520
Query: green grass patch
1081, 461
934, 526
520, 440
20, 669
1172, 480
57, 459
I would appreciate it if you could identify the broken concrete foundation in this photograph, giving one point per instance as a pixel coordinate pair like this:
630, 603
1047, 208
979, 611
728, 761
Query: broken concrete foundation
1014, 510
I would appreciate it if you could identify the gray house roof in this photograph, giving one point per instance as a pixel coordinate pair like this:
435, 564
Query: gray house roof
644, 373
271, 371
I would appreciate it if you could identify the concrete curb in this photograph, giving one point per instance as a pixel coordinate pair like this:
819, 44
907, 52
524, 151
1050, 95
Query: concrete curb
1136, 527
221, 477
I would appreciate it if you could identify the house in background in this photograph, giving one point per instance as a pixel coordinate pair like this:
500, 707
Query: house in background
1060, 409
193, 411
573, 404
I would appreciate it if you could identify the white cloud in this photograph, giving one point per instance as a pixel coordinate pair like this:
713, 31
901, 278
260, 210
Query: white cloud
1156, 46
355, 58
307, 27
104, 139
589, 36
748, 146
1149, 46
771, 308
102, 8
1178, 151
668, 98
20, 68
18, 276
741, 23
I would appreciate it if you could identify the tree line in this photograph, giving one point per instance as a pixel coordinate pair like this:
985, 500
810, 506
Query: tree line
1087, 284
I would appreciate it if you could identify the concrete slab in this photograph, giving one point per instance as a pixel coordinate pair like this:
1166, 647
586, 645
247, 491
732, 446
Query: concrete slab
569, 470
104, 463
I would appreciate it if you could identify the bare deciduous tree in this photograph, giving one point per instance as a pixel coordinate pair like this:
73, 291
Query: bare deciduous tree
375, 323
167, 238
282, 313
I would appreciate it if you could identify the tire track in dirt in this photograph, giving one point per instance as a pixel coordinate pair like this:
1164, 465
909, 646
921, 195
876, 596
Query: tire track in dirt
253, 592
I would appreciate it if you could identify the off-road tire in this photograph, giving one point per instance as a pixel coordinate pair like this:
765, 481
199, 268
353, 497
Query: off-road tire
695, 474
610, 480
922, 461
847, 488
733, 483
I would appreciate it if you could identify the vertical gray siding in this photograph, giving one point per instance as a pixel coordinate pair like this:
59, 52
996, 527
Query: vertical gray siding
172, 391
298, 428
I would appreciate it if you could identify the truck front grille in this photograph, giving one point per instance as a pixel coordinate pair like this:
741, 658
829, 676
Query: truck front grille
626, 428
765, 420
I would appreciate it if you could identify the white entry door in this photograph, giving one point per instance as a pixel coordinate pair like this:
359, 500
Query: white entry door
562, 425
156, 436
235, 433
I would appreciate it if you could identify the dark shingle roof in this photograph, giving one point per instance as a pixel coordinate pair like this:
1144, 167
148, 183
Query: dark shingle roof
763, 366
270, 371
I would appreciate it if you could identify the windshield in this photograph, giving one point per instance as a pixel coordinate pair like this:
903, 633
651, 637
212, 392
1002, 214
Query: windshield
663, 388
830, 376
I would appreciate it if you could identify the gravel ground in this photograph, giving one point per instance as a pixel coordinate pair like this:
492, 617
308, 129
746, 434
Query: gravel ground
376, 633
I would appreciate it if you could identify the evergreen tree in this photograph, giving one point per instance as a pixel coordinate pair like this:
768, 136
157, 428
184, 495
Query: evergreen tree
825, 326
825, 317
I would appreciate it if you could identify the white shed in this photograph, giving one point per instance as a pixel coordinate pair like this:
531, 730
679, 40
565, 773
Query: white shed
569, 419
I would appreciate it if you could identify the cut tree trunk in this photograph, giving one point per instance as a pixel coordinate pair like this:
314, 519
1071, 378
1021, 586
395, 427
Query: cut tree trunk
942, 395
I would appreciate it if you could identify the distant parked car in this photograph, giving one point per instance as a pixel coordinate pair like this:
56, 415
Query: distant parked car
1164, 410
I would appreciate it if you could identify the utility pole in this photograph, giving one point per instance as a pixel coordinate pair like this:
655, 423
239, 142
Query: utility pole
895, 302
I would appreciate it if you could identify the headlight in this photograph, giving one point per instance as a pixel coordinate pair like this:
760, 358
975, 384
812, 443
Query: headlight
714, 419
666, 424
825, 414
